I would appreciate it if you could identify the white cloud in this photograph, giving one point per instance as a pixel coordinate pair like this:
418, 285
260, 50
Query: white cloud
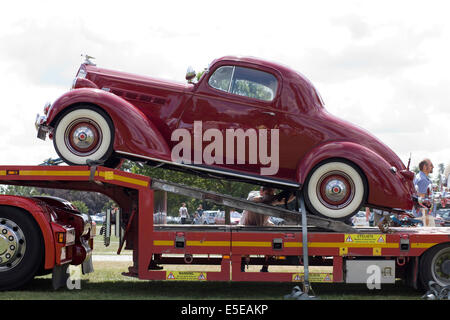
380, 64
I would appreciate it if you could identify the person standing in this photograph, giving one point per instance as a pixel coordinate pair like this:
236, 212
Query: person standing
423, 187
447, 176
183, 212
264, 195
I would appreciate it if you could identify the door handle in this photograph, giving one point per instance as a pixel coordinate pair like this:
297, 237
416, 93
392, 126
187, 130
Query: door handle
269, 113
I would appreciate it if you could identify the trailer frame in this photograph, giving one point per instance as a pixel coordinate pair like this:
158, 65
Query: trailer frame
226, 246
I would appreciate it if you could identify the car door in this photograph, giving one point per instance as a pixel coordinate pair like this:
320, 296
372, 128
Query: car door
234, 103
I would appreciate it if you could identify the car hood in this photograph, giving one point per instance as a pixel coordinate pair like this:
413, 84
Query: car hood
104, 77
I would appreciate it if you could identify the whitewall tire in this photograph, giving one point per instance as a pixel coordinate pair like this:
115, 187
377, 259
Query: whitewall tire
335, 190
82, 134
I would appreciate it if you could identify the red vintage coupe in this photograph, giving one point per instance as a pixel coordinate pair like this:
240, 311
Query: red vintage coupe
245, 119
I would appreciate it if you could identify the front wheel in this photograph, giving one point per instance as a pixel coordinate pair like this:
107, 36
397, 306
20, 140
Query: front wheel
82, 134
335, 189
21, 248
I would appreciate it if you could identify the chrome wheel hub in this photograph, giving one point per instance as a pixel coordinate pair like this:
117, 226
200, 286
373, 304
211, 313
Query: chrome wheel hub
335, 190
83, 137
12, 244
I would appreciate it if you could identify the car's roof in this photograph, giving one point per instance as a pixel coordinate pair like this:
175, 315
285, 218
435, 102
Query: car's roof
283, 69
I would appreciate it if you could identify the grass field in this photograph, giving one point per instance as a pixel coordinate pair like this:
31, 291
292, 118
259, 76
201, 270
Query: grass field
108, 283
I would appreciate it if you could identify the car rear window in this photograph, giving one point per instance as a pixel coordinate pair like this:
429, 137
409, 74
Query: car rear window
245, 82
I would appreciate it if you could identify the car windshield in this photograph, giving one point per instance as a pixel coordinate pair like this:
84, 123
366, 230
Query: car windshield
235, 215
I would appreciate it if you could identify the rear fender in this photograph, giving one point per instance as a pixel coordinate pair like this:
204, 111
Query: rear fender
42, 218
386, 189
133, 133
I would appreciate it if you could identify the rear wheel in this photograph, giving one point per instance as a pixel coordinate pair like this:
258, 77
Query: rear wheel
82, 134
21, 248
335, 189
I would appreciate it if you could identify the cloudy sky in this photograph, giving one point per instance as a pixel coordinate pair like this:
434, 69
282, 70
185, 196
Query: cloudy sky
383, 65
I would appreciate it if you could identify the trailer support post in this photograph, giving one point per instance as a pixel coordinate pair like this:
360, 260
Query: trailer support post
306, 285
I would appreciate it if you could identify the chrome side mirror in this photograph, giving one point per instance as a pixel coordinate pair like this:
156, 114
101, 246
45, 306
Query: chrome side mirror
190, 74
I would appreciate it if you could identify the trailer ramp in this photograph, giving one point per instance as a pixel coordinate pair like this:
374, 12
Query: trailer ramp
233, 202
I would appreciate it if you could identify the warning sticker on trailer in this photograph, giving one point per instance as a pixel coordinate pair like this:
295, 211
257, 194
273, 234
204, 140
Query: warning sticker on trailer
186, 276
365, 238
313, 277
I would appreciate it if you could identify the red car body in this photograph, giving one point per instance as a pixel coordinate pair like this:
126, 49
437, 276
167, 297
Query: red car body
145, 112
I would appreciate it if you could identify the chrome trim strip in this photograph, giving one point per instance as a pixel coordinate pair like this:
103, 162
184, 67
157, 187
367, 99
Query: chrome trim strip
211, 170
231, 80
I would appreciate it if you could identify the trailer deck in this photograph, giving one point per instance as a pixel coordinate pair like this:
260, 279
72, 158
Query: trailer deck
403, 252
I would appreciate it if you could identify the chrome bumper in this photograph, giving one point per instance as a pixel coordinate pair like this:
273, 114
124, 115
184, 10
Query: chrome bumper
41, 126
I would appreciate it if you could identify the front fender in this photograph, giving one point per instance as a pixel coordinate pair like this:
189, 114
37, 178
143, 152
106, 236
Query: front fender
386, 189
133, 133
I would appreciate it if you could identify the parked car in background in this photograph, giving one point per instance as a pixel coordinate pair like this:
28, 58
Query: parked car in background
98, 218
173, 220
209, 216
159, 218
360, 219
235, 217
444, 214
110, 115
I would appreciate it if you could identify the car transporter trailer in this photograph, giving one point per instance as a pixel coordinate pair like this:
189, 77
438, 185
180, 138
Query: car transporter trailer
417, 255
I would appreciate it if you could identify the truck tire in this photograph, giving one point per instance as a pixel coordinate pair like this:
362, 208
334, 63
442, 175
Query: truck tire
21, 248
435, 266
335, 189
84, 133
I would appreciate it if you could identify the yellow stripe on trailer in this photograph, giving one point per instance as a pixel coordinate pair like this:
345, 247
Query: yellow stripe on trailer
107, 175
194, 243
251, 244
72, 173
340, 245
110, 175
163, 242
424, 245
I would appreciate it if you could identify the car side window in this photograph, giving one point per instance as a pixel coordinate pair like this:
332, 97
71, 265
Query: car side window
245, 82
254, 84
221, 79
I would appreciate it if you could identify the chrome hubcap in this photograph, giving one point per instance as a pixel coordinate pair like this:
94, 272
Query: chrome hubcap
12, 244
335, 190
83, 137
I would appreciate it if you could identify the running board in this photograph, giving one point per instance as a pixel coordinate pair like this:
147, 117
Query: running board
232, 202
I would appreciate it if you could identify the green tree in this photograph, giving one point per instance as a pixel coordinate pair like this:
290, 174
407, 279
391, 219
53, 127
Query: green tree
441, 169
81, 206
236, 189
20, 191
